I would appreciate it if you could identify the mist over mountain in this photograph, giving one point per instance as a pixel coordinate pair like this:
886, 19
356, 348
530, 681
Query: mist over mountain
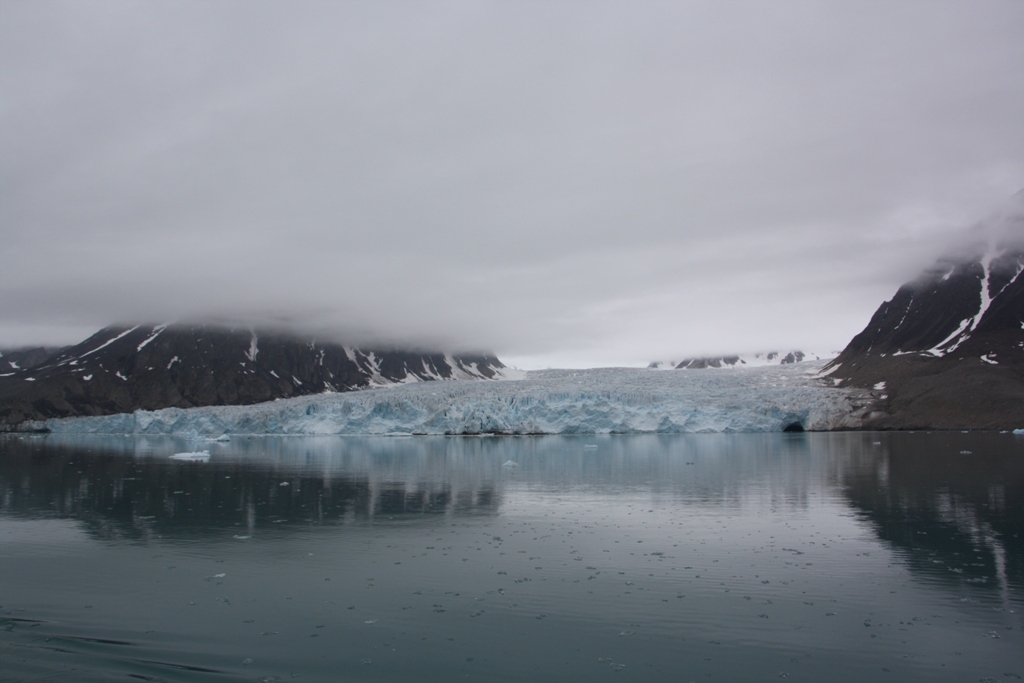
947, 351
563, 184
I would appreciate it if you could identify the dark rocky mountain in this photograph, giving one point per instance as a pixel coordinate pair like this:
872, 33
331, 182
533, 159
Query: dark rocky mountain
947, 351
122, 369
24, 358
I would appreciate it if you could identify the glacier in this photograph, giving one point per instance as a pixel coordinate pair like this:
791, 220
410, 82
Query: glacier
599, 401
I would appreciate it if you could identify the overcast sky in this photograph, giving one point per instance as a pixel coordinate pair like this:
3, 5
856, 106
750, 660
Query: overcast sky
564, 183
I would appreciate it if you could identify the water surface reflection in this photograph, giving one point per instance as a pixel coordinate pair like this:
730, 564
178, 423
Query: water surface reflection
949, 502
719, 556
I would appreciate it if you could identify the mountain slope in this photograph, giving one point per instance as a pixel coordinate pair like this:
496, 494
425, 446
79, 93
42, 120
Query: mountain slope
122, 369
947, 351
24, 358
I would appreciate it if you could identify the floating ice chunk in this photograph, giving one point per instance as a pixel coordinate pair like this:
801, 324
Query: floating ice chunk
880, 386
590, 447
195, 456
510, 464
1019, 432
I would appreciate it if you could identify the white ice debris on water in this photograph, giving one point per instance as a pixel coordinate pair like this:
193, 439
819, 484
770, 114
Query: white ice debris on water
196, 456
601, 401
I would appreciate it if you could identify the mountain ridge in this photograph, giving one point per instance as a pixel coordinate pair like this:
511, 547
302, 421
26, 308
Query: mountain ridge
124, 368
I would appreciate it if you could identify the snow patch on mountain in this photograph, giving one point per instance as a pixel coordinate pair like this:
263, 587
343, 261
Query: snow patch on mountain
110, 341
254, 348
153, 335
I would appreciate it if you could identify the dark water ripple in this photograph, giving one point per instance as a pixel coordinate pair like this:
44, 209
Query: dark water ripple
841, 557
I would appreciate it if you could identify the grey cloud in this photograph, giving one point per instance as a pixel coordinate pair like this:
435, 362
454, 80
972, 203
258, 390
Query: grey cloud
605, 182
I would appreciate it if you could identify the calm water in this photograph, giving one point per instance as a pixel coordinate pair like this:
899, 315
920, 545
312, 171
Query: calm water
840, 557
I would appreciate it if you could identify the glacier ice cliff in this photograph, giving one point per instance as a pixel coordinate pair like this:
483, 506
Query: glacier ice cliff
600, 401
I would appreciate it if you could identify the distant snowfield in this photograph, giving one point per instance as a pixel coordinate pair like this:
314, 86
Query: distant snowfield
601, 401
744, 361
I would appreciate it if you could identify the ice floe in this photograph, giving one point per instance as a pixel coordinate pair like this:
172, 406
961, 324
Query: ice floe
196, 456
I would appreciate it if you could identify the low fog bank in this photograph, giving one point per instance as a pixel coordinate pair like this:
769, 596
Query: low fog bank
588, 183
